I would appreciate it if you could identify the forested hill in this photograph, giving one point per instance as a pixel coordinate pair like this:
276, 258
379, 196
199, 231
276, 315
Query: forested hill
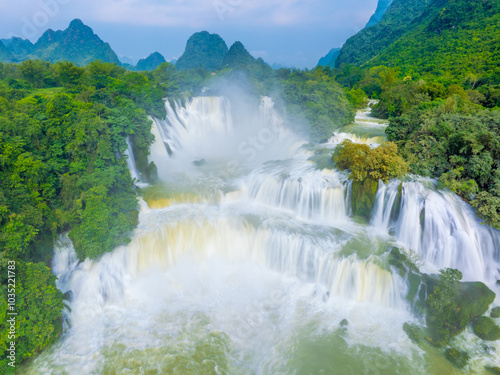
442, 37
401, 17
77, 44
203, 50
453, 38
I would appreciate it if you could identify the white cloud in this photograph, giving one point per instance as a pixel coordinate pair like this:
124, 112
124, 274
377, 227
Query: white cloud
151, 13
202, 13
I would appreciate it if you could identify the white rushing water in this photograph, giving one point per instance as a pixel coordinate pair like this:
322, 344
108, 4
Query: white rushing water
440, 227
252, 261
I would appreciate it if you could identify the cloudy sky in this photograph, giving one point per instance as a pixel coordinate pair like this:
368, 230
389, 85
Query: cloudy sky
288, 32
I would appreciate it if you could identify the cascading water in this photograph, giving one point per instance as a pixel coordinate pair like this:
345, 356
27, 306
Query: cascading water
252, 262
129, 153
440, 227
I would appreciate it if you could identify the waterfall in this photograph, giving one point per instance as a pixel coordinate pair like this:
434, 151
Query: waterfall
247, 257
131, 165
440, 227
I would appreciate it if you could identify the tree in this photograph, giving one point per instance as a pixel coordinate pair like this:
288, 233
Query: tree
381, 163
69, 74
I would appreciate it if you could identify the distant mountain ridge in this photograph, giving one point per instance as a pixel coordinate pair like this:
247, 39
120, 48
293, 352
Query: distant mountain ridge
151, 62
5, 54
77, 44
80, 45
210, 52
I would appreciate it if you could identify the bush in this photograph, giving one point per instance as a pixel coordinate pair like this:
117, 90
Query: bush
39, 304
485, 328
381, 163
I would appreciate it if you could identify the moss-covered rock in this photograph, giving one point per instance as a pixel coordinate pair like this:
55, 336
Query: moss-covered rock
485, 328
414, 332
452, 311
474, 299
407, 269
495, 313
438, 336
396, 206
152, 172
457, 358
493, 369
363, 197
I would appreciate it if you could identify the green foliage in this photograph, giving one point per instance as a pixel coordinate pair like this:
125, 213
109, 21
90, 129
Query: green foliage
462, 34
59, 146
453, 181
399, 99
459, 143
367, 167
488, 207
315, 97
38, 304
381, 163
33, 72
69, 74
357, 98
103, 221
485, 328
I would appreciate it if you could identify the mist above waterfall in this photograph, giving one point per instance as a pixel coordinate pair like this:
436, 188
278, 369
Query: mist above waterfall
231, 132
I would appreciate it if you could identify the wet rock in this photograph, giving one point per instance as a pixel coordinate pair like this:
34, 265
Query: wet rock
363, 197
495, 313
199, 163
456, 357
485, 328
326, 296
493, 370
414, 332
